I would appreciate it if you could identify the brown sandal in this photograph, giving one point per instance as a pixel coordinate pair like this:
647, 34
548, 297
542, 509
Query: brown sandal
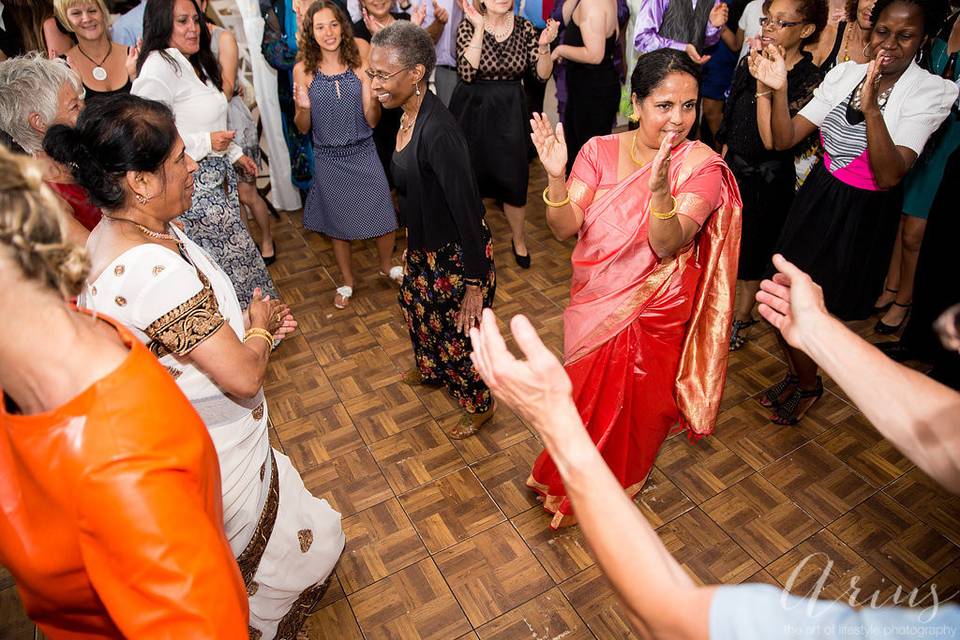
414, 378
470, 423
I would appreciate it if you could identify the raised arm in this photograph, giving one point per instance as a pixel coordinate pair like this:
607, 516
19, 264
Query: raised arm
917, 414
626, 546
469, 42
371, 106
564, 211
888, 162
301, 99
770, 70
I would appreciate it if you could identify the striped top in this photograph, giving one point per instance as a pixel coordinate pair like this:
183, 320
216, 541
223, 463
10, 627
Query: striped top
845, 148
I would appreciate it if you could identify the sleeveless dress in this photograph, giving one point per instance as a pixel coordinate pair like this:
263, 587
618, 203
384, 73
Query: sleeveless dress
593, 95
350, 199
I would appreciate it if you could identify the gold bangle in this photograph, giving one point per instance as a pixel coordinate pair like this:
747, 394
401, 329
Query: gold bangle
665, 216
551, 203
257, 332
261, 336
762, 93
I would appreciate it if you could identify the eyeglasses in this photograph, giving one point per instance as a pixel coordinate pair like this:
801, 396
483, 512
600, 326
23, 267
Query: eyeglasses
381, 76
777, 23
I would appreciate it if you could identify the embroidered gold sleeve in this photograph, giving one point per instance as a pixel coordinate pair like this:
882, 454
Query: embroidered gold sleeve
181, 329
580, 193
694, 207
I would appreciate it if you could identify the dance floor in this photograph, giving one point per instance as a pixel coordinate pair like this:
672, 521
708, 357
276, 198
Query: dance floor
444, 541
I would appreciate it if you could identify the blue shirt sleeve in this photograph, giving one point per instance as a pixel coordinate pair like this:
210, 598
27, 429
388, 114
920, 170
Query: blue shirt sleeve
764, 612
128, 28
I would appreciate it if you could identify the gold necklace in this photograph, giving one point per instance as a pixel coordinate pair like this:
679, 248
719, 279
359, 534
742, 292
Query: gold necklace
156, 235
633, 146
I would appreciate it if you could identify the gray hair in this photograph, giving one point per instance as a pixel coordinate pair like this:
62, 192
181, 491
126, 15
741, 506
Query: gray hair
409, 43
31, 84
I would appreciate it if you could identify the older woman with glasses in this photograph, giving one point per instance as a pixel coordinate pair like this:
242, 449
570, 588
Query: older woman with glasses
448, 268
350, 199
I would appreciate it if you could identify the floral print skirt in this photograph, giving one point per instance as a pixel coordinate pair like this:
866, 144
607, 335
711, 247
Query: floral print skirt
430, 298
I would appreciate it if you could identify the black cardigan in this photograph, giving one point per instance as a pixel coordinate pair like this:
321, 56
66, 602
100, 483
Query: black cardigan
442, 203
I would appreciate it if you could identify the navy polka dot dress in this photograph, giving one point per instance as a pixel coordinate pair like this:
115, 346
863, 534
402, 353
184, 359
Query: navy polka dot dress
349, 198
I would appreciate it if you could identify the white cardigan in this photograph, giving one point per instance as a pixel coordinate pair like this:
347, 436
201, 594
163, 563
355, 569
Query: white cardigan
919, 102
199, 108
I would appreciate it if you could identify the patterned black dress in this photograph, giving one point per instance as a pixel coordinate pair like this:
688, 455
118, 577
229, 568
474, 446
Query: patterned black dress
491, 108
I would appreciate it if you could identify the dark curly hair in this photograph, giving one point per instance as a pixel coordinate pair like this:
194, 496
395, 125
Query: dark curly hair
123, 133
813, 12
653, 67
934, 13
157, 29
309, 51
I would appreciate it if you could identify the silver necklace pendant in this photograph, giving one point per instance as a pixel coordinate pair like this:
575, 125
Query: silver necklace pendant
99, 73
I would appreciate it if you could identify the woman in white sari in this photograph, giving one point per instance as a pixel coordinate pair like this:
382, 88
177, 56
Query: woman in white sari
149, 275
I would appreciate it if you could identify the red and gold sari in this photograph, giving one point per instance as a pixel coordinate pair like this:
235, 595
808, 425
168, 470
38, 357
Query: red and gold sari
645, 340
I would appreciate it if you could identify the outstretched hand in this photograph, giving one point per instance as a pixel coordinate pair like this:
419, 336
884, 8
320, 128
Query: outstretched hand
551, 145
792, 302
536, 387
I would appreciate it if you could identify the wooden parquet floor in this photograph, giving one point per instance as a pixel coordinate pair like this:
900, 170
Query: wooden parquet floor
444, 542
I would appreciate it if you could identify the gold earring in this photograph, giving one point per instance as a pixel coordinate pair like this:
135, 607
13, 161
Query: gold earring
143, 199
634, 116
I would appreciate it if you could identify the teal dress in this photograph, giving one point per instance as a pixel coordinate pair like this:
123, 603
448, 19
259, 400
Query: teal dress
922, 183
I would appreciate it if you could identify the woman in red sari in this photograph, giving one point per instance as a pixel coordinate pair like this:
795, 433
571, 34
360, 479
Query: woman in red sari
651, 297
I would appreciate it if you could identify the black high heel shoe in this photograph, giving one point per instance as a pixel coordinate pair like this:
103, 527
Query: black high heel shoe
269, 260
523, 261
885, 329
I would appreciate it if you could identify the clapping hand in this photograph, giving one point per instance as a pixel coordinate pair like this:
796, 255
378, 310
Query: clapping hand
373, 26
536, 387
131, 62
549, 34
270, 314
792, 302
768, 66
419, 14
300, 96
719, 14
659, 182
870, 88
440, 14
551, 145
470, 13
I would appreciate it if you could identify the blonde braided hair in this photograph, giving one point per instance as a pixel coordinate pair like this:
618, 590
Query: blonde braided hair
32, 228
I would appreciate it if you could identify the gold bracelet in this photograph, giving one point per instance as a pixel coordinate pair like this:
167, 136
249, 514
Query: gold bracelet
257, 332
665, 216
762, 93
551, 203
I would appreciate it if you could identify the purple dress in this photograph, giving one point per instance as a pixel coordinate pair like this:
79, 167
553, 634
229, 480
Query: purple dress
349, 198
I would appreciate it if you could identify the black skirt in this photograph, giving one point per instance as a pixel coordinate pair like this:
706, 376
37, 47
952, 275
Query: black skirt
492, 114
843, 237
767, 192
